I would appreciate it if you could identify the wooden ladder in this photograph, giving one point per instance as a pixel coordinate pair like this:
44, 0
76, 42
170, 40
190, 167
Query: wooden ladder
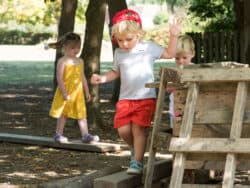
184, 144
162, 85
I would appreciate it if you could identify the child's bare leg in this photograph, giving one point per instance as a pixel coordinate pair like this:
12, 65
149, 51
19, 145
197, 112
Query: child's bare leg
139, 140
86, 137
61, 121
139, 134
83, 126
125, 132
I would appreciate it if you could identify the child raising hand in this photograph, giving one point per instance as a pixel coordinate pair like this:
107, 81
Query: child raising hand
72, 89
133, 63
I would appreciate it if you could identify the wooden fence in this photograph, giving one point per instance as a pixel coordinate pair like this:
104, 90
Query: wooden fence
218, 46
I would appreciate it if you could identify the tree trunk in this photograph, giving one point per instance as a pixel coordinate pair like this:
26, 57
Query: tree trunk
247, 31
114, 7
66, 24
95, 17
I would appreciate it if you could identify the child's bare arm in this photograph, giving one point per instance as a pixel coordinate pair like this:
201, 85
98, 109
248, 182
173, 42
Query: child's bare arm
59, 77
107, 77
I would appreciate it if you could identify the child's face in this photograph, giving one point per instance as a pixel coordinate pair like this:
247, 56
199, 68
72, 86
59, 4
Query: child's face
71, 49
127, 40
184, 58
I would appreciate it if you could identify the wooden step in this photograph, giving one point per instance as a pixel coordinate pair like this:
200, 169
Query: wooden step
49, 142
121, 179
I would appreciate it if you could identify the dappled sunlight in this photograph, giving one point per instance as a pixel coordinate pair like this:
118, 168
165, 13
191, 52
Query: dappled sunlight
14, 113
30, 104
2, 161
20, 127
104, 101
6, 123
45, 89
11, 96
22, 174
3, 158
8, 95
51, 174
88, 172
31, 147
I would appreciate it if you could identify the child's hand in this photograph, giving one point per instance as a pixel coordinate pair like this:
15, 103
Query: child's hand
66, 97
97, 79
175, 25
88, 97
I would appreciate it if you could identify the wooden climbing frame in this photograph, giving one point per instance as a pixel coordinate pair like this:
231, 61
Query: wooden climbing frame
230, 111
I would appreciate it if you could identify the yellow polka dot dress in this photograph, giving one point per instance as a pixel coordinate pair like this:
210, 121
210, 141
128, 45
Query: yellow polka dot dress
75, 107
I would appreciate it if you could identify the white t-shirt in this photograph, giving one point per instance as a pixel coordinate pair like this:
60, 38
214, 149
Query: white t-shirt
136, 68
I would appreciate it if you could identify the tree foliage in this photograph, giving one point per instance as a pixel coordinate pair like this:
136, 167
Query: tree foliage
30, 15
213, 15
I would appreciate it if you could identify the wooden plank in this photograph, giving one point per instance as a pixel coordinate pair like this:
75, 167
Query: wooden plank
210, 145
236, 46
210, 186
156, 124
210, 47
215, 165
200, 186
222, 46
239, 108
217, 117
215, 75
214, 157
153, 85
49, 142
186, 129
216, 46
123, 180
211, 130
85, 181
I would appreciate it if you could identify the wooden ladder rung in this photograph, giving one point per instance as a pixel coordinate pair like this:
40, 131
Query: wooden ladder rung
210, 145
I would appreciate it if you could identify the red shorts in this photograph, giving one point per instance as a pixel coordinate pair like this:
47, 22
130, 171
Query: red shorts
139, 112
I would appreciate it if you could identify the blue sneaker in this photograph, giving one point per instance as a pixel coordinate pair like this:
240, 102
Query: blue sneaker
90, 138
60, 138
135, 167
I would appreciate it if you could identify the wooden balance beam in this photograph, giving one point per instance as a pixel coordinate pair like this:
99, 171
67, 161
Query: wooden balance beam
99, 147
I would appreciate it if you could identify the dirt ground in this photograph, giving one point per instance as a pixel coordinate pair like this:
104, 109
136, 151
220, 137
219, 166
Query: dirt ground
24, 110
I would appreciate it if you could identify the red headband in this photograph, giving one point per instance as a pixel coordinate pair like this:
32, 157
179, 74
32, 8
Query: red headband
126, 14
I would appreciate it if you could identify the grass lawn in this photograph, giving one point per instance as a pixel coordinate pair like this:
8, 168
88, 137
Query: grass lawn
32, 72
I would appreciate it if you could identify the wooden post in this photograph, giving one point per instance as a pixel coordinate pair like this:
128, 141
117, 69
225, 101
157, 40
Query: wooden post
157, 121
239, 109
186, 129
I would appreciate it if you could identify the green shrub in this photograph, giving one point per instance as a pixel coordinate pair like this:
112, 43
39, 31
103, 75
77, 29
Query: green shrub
160, 18
24, 38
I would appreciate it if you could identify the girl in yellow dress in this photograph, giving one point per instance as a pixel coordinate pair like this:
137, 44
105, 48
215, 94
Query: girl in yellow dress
72, 89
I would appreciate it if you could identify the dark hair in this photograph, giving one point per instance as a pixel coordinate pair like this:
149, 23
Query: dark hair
68, 37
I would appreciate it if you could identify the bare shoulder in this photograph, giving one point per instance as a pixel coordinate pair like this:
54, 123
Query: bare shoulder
62, 61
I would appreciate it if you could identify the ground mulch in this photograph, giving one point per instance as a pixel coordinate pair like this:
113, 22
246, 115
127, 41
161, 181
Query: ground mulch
24, 110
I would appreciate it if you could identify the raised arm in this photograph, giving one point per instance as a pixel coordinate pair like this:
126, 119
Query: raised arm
174, 30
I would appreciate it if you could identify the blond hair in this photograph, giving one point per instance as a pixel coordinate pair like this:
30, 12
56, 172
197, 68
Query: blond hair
185, 44
127, 26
